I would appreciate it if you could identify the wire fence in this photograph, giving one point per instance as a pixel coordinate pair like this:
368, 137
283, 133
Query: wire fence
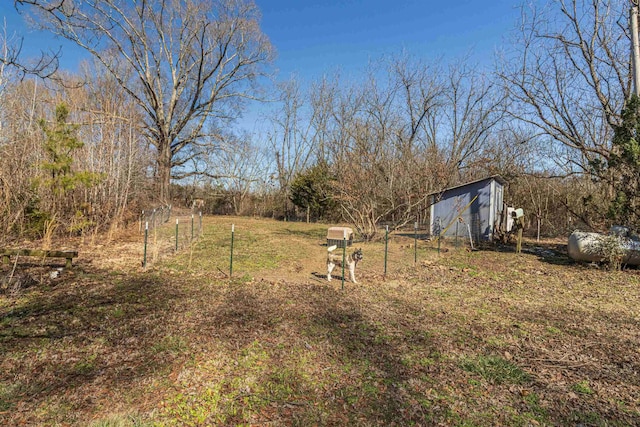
151, 218
167, 232
460, 233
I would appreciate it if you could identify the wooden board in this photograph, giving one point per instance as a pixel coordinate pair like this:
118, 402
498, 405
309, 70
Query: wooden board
68, 255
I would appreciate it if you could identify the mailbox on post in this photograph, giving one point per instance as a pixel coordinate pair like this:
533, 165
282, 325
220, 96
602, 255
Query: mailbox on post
337, 235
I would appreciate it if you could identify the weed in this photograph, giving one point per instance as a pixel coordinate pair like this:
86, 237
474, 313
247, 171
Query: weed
121, 420
533, 402
85, 366
587, 419
582, 387
610, 248
203, 408
498, 342
50, 227
474, 382
495, 369
552, 330
118, 312
170, 344
6, 396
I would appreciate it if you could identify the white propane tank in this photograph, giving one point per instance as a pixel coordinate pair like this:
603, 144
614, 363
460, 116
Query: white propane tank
584, 246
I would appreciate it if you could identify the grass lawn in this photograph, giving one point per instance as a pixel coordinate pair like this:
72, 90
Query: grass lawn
462, 338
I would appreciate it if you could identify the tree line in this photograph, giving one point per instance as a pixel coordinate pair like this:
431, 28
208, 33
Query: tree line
153, 118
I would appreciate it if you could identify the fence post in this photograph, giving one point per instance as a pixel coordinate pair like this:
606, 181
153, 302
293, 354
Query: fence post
344, 254
200, 223
192, 227
386, 247
415, 242
456, 244
146, 235
176, 234
231, 258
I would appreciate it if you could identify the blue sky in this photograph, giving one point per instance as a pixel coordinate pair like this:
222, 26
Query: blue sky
315, 37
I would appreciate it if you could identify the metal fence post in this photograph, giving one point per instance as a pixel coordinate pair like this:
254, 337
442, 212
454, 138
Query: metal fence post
415, 242
176, 234
146, 235
231, 258
200, 223
386, 247
344, 254
191, 226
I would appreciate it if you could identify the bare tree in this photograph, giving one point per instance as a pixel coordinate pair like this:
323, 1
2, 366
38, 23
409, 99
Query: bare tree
291, 137
44, 65
114, 146
570, 76
185, 64
407, 136
241, 166
472, 107
20, 154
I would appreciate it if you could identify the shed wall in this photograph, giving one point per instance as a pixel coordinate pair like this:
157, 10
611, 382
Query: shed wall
480, 216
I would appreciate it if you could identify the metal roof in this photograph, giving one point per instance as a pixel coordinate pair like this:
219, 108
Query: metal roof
498, 178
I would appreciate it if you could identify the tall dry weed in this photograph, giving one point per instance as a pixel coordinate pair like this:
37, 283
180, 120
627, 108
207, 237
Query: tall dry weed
50, 227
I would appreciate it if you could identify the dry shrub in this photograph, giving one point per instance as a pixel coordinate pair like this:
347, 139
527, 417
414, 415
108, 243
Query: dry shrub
50, 226
610, 247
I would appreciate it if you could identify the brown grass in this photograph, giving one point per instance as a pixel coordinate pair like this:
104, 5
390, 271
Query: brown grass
463, 338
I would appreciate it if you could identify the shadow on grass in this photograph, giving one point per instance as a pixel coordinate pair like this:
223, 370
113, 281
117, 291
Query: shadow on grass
91, 327
549, 253
599, 355
264, 351
318, 233
362, 377
373, 362
420, 236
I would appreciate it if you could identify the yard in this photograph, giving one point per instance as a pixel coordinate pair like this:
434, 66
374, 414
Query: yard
461, 338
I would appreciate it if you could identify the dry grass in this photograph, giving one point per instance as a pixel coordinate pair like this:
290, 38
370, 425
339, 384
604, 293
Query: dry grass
463, 338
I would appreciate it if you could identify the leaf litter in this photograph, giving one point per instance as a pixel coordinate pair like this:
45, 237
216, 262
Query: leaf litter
461, 338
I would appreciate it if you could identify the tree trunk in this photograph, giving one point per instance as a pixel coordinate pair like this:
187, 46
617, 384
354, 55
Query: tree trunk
164, 171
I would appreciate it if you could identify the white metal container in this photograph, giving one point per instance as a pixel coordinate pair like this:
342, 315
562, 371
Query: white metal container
584, 246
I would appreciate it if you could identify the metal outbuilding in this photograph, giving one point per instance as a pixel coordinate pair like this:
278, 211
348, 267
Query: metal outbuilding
476, 207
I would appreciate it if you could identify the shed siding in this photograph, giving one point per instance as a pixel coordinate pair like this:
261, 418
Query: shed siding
480, 216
